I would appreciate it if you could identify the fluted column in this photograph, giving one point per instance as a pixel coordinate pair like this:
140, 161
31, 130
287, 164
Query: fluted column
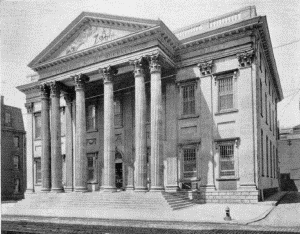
56, 159
109, 183
156, 126
45, 137
29, 149
80, 147
140, 173
69, 143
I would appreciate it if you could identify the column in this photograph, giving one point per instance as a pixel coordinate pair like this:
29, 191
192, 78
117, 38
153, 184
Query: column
80, 147
56, 158
156, 126
69, 144
29, 149
109, 183
140, 172
45, 136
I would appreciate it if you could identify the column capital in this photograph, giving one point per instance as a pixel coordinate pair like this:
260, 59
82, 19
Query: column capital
108, 73
44, 90
80, 81
155, 63
245, 58
54, 88
139, 66
205, 67
29, 107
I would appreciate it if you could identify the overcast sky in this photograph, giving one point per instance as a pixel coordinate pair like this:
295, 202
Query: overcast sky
27, 27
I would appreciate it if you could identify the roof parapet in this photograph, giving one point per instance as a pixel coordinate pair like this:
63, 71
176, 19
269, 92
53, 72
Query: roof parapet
217, 22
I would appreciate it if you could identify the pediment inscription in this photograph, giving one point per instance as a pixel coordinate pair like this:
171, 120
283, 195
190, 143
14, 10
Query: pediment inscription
91, 36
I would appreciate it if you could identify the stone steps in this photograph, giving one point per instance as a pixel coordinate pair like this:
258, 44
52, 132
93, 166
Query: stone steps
178, 200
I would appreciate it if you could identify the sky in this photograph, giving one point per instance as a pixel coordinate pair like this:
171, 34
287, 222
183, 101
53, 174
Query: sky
27, 27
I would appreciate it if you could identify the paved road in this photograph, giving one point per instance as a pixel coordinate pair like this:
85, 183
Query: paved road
285, 214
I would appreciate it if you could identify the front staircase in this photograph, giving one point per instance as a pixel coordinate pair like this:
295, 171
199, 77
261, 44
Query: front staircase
106, 201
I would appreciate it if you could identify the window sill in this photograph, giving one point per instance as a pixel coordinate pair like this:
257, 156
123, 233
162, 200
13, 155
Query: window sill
92, 130
190, 116
226, 111
192, 179
227, 178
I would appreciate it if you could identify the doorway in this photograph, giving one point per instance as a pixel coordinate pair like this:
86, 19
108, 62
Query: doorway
119, 175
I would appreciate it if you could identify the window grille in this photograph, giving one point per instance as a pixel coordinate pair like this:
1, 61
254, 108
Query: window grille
261, 98
262, 153
188, 99
270, 117
37, 124
91, 164
91, 117
225, 93
227, 160
38, 174
118, 113
266, 107
189, 158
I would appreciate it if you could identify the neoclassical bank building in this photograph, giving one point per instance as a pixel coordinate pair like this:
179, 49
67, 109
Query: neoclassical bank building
121, 104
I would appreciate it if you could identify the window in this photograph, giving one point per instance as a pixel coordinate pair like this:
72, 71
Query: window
38, 174
271, 160
267, 155
17, 185
270, 119
189, 163
274, 129
118, 113
188, 96
227, 159
8, 121
266, 76
91, 162
261, 98
225, 91
16, 141
274, 162
16, 162
262, 153
91, 117
62, 122
266, 107
269, 87
37, 125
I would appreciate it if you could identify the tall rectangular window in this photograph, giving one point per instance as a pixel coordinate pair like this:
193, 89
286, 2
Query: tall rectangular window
227, 159
37, 125
188, 99
262, 153
266, 107
274, 128
270, 117
271, 160
17, 185
91, 161
16, 162
274, 162
16, 141
261, 98
225, 91
38, 174
62, 122
118, 113
7, 121
91, 117
189, 163
267, 155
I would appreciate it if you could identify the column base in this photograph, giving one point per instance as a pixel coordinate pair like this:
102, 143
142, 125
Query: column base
156, 189
109, 189
141, 189
172, 188
57, 190
129, 188
69, 189
81, 189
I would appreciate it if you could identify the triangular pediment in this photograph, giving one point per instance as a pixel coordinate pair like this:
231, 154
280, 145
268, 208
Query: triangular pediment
90, 30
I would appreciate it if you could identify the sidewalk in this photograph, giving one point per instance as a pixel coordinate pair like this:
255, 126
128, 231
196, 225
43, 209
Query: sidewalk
204, 213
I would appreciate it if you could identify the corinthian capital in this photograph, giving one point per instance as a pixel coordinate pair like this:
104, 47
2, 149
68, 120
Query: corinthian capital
80, 80
55, 89
108, 73
29, 107
139, 65
44, 90
245, 58
155, 61
206, 67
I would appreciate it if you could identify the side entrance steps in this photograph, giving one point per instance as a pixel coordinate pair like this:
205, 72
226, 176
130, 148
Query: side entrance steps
178, 200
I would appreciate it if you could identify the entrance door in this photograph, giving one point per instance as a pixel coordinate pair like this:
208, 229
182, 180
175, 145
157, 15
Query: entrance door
119, 175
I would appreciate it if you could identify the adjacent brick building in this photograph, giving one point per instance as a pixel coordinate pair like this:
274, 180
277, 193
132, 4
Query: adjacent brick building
13, 167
